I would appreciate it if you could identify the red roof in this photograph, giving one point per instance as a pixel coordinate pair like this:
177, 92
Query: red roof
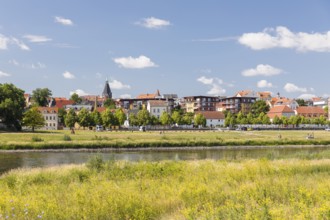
211, 114
279, 111
48, 109
60, 103
310, 110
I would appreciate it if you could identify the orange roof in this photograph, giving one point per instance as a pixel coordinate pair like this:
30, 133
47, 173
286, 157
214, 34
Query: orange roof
48, 109
60, 103
60, 99
279, 111
264, 94
149, 96
310, 110
211, 114
243, 93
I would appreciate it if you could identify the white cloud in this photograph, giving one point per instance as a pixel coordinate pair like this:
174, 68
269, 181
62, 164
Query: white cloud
153, 23
204, 80
125, 96
115, 84
290, 87
262, 70
215, 83
68, 75
3, 74
38, 65
14, 62
306, 96
134, 63
20, 44
63, 21
79, 92
282, 37
37, 38
5, 41
264, 84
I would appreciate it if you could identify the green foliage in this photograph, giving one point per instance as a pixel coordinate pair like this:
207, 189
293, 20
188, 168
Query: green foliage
143, 117
84, 118
96, 118
67, 138
108, 118
301, 102
176, 117
187, 118
95, 163
75, 97
258, 107
121, 116
109, 103
12, 105
33, 118
165, 119
61, 115
133, 121
36, 139
70, 118
199, 120
41, 96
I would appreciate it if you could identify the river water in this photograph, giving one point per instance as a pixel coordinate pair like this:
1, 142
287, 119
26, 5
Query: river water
14, 160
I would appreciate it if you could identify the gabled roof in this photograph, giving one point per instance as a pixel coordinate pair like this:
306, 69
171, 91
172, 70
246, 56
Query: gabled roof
279, 111
61, 103
246, 93
264, 95
149, 96
211, 114
48, 109
158, 103
310, 110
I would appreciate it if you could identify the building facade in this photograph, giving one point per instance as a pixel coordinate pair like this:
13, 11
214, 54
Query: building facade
199, 103
50, 115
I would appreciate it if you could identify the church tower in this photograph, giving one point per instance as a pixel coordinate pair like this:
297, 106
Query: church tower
107, 91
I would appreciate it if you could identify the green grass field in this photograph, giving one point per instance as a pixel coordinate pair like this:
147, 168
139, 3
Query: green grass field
119, 139
249, 189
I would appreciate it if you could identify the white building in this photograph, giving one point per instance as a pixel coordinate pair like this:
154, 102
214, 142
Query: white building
213, 118
50, 115
157, 107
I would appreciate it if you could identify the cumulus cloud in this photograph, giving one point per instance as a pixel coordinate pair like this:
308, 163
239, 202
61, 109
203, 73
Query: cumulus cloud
79, 92
125, 96
37, 38
68, 75
3, 42
115, 84
3, 74
153, 23
282, 37
37, 65
262, 70
264, 84
134, 63
20, 44
63, 21
290, 87
215, 83
306, 96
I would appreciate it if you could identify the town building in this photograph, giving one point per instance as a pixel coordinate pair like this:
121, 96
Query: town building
50, 115
280, 111
213, 118
157, 107
241, 102
199, 103
310, 111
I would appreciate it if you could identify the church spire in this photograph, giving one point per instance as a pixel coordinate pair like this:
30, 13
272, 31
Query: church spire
107, 91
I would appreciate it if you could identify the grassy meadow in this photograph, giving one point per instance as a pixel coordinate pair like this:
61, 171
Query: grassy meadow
122, 139
247, 189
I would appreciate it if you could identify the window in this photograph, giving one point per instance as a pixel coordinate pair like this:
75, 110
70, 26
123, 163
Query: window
46, 117
158, 110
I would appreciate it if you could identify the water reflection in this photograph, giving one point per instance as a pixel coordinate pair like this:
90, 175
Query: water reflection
13, 160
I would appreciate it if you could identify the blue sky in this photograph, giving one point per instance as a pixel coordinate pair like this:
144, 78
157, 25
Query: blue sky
209, 47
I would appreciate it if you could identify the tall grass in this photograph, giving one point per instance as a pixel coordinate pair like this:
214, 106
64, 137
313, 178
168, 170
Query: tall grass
250, 189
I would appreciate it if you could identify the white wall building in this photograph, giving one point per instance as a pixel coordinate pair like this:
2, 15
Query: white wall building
157, 107
50, 115
213, 118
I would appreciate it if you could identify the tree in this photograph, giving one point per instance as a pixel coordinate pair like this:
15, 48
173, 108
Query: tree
120, 116
84, 118
96, 118
187, 118
154, 120
132, 119
258, 107
33, 118
301, 102
277, 120
12, 105
108, 118
199, 120
176, 117
143, 117
165, 119
70, 118
75, 97
41, 96
61, 115
109, 103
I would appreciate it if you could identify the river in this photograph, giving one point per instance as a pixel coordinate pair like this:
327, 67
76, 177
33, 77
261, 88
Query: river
14, 160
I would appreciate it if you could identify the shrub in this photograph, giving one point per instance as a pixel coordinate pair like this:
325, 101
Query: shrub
95, 163
67, 138
36, 139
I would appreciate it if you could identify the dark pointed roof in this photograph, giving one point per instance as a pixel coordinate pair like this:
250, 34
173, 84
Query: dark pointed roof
107, 91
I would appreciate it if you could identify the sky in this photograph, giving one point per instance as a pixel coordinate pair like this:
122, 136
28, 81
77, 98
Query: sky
186, 47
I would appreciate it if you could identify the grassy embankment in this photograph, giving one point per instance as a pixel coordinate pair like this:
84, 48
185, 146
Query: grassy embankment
90, 139
248, 189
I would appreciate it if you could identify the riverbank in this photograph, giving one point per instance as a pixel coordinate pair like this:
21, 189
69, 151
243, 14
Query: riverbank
248, 189
58, 140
